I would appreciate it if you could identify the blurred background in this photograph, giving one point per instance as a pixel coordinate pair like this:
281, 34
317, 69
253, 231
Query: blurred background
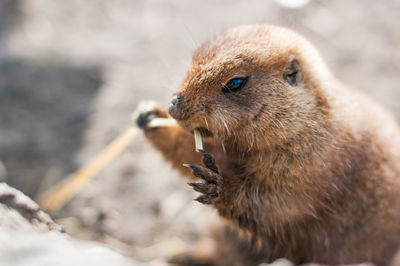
71, 73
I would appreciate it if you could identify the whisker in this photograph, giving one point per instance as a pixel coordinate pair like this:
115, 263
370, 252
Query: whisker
205, 120
223, 146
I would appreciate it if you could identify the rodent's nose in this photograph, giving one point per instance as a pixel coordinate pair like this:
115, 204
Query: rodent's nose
175, 108
176, 99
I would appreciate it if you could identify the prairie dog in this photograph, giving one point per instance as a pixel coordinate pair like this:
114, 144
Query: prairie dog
308, 168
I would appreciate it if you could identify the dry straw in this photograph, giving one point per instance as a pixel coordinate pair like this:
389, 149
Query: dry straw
56, 197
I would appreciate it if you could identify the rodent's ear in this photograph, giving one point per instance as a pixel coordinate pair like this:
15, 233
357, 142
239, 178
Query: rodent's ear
292, 73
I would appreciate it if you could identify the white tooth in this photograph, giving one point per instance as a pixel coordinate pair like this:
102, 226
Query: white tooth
197, 140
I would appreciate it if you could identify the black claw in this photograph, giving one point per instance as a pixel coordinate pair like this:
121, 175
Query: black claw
194, 184
205, 199
196, 170
144, 118
209, 161
204, 173
206, 188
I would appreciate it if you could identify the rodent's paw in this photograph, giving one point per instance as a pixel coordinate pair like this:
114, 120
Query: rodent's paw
212, 184
147, 111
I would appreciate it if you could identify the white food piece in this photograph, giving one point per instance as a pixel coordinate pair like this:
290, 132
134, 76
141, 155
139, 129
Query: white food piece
197, 140
162, 122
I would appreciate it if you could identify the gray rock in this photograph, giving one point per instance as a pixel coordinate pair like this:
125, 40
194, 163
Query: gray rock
28, 236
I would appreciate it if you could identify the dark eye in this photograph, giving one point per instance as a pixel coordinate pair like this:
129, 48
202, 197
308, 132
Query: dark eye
235, 85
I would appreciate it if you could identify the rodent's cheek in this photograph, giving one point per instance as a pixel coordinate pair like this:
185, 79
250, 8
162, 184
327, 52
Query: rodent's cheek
186, 124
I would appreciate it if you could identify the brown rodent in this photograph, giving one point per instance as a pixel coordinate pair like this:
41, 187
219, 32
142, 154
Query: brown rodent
308, 168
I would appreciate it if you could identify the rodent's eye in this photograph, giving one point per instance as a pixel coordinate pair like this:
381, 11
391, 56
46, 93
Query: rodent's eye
235, 85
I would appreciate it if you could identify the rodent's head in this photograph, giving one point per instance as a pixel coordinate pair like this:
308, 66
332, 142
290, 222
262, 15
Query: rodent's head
252, 86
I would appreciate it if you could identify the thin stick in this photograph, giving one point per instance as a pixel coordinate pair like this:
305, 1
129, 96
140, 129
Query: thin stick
162, 122
58, 196
55, 198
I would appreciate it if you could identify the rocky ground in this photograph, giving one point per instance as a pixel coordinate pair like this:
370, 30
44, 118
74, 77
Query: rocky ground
29, 237
71, 73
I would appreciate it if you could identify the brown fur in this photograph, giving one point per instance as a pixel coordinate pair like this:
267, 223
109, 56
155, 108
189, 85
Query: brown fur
311, 171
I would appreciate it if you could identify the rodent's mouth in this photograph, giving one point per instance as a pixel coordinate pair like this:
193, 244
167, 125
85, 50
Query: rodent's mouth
205, 133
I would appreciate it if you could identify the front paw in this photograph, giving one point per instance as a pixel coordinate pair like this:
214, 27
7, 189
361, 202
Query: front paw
212, 184
146, 112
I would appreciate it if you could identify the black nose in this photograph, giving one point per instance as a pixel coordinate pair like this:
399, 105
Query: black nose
176, 100
176, 109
